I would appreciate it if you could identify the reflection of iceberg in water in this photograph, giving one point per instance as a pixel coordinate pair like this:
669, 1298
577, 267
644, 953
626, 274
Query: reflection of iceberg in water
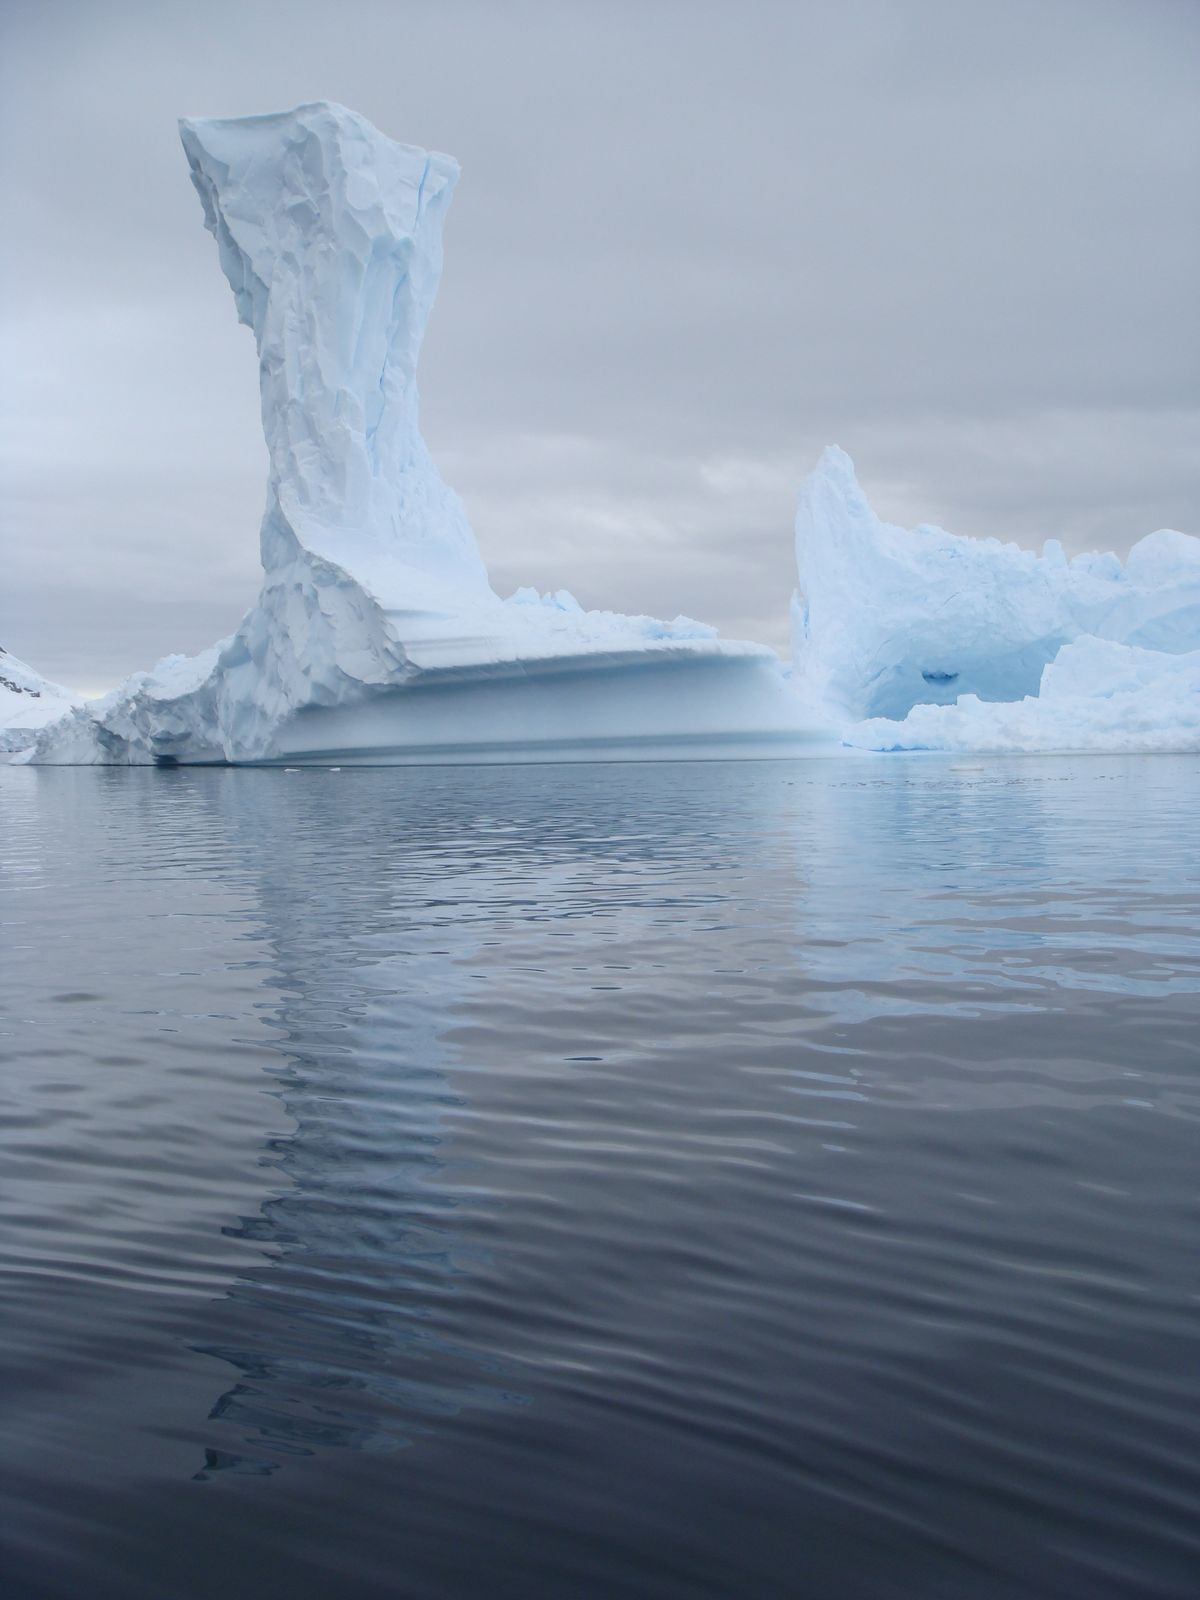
932, 893
336, 1335
391, 908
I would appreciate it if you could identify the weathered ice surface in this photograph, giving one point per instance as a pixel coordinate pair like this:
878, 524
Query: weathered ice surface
376, 635
889, 619
1094, 696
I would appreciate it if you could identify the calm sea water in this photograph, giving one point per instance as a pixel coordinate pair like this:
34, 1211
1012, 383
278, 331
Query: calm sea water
734, 1180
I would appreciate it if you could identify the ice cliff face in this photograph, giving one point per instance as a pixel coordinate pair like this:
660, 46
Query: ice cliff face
888, 619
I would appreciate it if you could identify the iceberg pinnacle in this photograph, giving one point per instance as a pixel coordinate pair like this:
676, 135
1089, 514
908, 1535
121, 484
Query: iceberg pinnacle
331, 238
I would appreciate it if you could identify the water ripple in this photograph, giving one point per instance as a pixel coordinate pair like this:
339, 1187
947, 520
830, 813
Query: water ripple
753, 1178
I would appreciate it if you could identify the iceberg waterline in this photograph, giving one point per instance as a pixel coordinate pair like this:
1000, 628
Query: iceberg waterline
377, 637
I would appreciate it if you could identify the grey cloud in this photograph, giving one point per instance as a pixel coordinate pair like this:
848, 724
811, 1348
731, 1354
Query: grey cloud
692, 244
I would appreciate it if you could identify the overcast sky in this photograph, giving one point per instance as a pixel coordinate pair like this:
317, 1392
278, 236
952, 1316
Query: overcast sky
691, 244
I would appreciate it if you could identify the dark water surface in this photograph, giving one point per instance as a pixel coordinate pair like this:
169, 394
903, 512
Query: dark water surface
749, 1179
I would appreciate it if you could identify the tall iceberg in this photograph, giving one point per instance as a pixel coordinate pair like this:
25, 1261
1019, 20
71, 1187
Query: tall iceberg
376, 635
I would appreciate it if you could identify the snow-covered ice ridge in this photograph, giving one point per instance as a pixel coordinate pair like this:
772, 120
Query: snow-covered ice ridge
893, 618
27, 703
921, 639
377, 636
